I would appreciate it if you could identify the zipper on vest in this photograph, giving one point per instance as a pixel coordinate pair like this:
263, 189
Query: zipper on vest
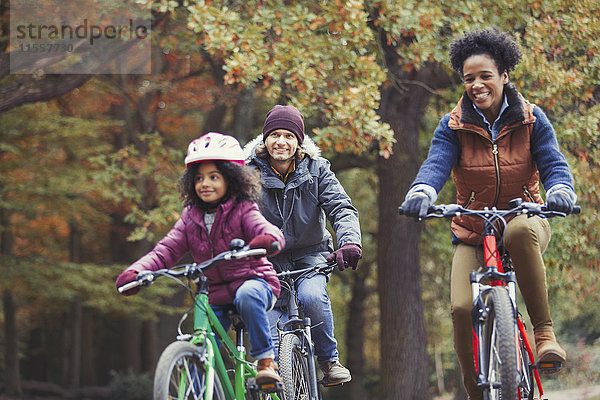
528, 194
497, 167
471, 198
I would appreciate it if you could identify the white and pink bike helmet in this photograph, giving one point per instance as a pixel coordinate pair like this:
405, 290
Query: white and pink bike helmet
215, 146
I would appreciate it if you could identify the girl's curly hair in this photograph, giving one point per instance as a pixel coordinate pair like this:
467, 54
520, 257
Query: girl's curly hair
500, 46
243, 183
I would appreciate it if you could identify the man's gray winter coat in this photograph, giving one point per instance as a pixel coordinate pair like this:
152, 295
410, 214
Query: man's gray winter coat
299, 207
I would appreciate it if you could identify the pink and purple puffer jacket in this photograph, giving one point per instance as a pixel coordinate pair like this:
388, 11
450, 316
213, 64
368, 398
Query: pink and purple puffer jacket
233, 220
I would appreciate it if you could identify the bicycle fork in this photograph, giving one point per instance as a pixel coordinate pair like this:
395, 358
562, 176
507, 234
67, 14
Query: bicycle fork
312, 369
305, 325
479, 313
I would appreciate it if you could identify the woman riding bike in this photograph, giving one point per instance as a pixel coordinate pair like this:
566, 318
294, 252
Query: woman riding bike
498, 147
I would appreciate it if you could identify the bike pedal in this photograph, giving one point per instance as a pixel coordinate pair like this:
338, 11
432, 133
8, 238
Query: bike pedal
332, 383
267, 387
549, 367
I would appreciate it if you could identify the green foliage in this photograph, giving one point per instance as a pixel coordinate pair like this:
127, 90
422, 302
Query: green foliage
560, 68
147, 182
582, 369
63, 170
316, 55
130, 386
45, 182
92, 283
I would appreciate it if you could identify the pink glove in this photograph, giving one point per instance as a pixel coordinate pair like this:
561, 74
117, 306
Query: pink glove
127, 276
267, 242
346, 256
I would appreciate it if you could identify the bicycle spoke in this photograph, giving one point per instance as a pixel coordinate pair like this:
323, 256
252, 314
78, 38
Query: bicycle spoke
186, 382
301, 384
192, 378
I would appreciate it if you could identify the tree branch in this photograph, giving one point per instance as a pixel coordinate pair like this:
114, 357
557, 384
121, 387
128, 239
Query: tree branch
30, 90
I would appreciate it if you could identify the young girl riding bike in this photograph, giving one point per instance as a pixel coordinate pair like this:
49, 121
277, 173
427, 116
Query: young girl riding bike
219, 196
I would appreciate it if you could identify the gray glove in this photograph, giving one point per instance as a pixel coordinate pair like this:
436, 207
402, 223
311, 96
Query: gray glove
560, 201
417, 205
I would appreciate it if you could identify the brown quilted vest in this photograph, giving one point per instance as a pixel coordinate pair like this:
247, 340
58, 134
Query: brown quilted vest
492, 173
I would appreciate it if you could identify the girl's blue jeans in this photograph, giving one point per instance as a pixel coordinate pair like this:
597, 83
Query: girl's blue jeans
316, 305
252, 300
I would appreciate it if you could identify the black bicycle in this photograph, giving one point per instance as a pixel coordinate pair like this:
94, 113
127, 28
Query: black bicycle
297, 365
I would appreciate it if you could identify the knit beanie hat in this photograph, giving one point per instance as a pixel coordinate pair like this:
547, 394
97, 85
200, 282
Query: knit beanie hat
284, 117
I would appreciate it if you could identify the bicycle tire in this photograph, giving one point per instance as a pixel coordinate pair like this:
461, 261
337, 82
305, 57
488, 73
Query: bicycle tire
500, 347
180, 374
293, 367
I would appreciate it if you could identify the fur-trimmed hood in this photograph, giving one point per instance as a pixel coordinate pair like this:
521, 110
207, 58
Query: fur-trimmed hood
310, 148
302, 204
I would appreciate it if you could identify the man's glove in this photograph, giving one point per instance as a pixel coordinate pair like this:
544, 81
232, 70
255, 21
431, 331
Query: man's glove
267, 242
346, 256
560, 200
127, 276
417, 205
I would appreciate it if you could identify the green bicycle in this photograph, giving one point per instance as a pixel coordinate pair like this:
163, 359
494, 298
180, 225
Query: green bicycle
192, 367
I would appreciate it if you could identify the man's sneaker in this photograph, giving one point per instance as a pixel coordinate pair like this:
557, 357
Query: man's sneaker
335, 373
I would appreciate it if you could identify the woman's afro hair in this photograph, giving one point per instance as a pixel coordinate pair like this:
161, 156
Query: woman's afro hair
499, 45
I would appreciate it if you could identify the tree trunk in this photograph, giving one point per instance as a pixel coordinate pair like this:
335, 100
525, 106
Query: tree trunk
11, 336
65, 353
75, 322
404, 361
404, 366
242, 117
74, 243
88, 355
131, 344
355, 333
11, 347
151, 350
404, 369
214, 119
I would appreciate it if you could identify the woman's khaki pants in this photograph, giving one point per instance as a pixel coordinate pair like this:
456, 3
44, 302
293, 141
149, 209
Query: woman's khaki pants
526, 239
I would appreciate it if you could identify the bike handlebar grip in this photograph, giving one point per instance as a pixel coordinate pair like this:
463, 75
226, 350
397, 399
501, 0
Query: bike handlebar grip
275, 246
129, 285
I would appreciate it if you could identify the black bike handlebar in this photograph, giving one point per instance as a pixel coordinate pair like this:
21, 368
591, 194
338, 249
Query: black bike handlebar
454, 210
144, 278
326, 268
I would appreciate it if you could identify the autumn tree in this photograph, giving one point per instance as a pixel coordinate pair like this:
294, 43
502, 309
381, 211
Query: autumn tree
339, 61
363, 73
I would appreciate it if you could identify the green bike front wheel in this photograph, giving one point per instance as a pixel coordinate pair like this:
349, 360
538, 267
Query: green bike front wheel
181, 375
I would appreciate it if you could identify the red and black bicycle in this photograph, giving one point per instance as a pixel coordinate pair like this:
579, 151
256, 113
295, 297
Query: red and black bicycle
504, 361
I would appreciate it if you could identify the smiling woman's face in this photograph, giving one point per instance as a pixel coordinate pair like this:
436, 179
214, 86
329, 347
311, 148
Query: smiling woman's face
484, 84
